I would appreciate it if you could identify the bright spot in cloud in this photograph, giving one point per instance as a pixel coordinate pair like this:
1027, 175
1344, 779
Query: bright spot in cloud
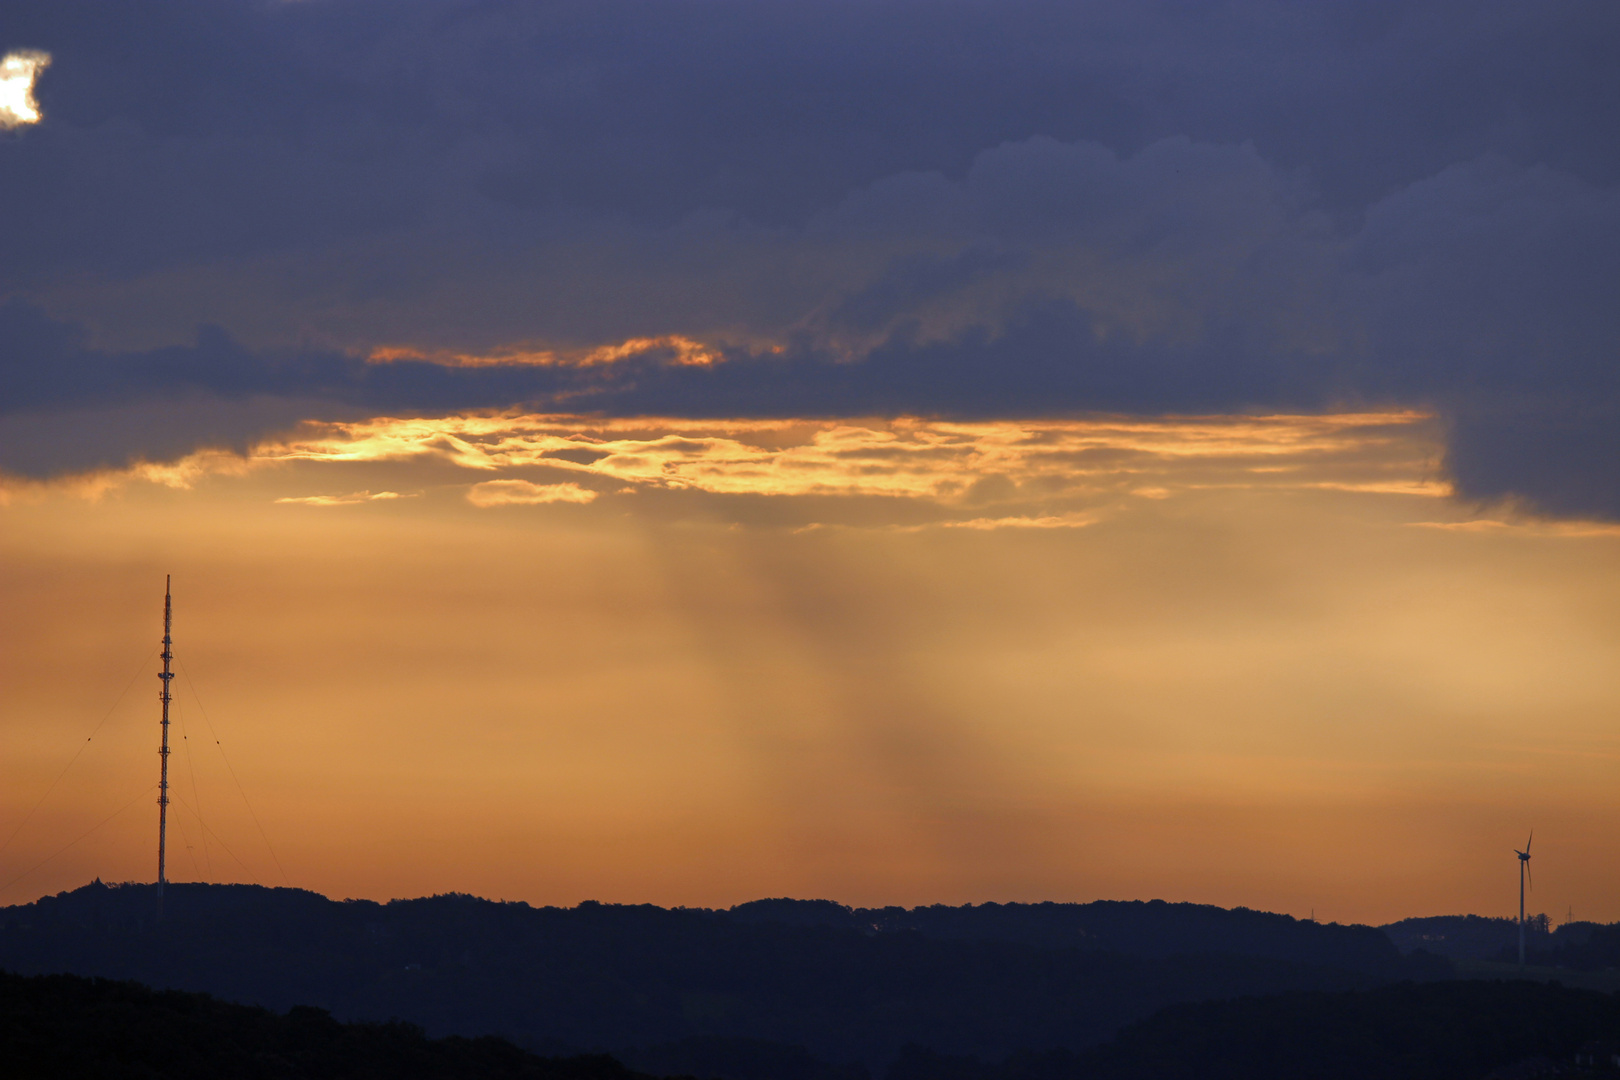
17, 74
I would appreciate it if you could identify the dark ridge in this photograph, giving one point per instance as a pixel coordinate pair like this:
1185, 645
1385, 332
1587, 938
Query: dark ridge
1581, 946
1140, 928
1578, 946
1460, 937
693, 988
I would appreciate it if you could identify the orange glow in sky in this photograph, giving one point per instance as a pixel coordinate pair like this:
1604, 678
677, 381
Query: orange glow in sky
680, 351
1243, 660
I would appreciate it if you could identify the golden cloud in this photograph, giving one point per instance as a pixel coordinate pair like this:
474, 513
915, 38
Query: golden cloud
1525, 526
183, 474
1433, 489
1005, 474
903, 457
526, 493
1050, 521
673, 349
341, 500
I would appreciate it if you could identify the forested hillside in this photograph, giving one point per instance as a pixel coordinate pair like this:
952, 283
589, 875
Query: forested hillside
850, 987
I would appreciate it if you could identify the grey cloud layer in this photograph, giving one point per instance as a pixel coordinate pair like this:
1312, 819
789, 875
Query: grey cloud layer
960, 208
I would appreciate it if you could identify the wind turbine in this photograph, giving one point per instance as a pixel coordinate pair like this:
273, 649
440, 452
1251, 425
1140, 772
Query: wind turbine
1524, 872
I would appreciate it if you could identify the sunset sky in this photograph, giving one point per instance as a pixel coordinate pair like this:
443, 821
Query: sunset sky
896, 452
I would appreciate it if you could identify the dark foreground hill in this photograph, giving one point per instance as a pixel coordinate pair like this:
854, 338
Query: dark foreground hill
1454, 1030
727, 993
66, 1026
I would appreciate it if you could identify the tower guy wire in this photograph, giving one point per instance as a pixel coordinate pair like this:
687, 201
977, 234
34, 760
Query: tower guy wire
76, 753
75, 840
246, 869
196, 793
240, 790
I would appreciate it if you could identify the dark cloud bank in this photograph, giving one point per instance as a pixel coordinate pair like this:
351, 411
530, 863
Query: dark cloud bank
958, 208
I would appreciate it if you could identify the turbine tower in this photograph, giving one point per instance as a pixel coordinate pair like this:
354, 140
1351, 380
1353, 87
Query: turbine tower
163, 752
1524, 871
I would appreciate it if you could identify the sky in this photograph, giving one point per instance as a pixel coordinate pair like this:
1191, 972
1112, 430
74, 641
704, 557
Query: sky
897, 452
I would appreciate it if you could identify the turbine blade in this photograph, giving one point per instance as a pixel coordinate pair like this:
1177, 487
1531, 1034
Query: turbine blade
1529, 875
1528, 842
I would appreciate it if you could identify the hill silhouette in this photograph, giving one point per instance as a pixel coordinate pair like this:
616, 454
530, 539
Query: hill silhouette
1587, 947
1137, 927
1453, 1030
67, 1026
687, 987
1576, 946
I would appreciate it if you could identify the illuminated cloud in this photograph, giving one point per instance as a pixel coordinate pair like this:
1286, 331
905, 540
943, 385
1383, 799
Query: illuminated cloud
907, 472
18, 71
905, 457
1431, 489
991, 474
1067, 521
525, 493
341, 500
1575, 530
181, 474
671, 349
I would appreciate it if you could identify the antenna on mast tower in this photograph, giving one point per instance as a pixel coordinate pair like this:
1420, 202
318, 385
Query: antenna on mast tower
163, 752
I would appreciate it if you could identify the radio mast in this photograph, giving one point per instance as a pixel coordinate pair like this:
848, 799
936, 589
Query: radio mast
163, 753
